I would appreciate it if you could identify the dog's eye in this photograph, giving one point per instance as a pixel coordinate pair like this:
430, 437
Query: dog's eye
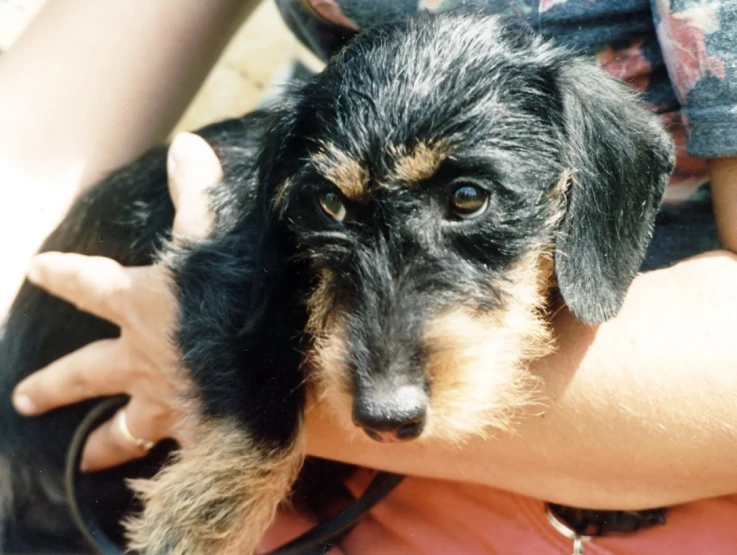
332, 205
469, 201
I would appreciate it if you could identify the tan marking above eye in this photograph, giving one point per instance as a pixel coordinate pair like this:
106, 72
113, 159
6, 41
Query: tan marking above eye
346, 173
420, 163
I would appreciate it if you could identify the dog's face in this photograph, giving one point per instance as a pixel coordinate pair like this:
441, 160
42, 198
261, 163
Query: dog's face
430, 176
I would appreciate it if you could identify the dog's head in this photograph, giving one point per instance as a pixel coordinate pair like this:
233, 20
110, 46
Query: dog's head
440, 177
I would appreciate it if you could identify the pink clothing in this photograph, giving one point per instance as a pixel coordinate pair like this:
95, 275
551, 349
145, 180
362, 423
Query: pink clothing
424, 517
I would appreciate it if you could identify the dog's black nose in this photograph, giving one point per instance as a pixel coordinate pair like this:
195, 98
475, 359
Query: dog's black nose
397, 415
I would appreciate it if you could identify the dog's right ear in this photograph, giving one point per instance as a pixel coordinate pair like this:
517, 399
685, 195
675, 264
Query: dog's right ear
620, 158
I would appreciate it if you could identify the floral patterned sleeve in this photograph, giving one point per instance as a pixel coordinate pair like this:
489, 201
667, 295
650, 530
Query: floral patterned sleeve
699, 43
681, 55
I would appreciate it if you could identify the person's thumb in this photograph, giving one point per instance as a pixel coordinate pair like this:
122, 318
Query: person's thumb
193, 168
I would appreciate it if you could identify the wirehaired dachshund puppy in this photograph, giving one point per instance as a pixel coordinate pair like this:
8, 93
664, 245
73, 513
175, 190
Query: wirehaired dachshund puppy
389, 240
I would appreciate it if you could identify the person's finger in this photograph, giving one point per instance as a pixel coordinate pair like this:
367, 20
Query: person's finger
96, 370
115, 441
193, 168
91, 283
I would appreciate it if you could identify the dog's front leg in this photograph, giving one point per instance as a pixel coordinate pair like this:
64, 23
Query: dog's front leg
239, 339
218, 497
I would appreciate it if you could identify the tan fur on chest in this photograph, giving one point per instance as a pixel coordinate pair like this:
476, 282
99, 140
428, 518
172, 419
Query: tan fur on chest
219, 496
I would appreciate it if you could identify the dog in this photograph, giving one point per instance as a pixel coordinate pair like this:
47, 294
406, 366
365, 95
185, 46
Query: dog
390, 240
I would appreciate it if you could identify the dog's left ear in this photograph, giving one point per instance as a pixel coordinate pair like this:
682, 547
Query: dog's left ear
620, 158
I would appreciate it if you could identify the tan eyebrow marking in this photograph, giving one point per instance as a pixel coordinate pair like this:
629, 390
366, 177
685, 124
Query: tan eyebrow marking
346, 173
419, 164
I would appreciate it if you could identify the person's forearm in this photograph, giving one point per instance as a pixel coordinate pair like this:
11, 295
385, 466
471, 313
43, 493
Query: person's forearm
93, 83
642, 411
87, 88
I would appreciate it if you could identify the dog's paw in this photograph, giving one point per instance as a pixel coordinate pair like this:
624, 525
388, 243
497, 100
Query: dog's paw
217, 497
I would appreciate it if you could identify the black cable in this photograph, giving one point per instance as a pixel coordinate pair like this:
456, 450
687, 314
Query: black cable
316, 541
326, 534
81, 514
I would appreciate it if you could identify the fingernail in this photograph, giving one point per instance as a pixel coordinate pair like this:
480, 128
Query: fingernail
24, 405
34, 272
183, 147
40, 262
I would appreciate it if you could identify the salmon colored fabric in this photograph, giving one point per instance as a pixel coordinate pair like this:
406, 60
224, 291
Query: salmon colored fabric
424, 517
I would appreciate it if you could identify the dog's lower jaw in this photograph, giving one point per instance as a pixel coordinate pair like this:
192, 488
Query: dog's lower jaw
220, 496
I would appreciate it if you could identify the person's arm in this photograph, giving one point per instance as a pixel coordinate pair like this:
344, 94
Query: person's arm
87, 88
93, 83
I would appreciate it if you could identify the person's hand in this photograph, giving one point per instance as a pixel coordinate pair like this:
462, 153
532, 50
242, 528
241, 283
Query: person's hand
142, 362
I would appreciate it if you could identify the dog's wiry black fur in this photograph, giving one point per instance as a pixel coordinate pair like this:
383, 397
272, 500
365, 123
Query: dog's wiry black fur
282, 300
127, 217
